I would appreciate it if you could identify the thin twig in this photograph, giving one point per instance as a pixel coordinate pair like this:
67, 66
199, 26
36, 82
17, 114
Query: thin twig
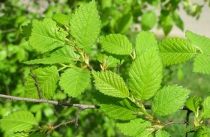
33, 76
64, 123
53, 102
172, 122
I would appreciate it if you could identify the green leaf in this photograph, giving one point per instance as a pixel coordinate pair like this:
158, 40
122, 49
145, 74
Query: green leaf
63, 55
166, 22
178, 20
18, 121
169, 99
201, 42
144, 41
176, 50
119, 109
61, 19
135, 128
162, 133
50, 60
202, 132
116, 111
148, 20
108, 61
206, 108
16, 134
46, 36
201, 64
85, 25
116, 44
30, 88
146, 75
46, 79
193, 103
110, 83
74, 81
123, 24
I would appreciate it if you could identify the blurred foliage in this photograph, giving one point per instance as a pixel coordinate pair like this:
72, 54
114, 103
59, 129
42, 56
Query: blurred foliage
118, 16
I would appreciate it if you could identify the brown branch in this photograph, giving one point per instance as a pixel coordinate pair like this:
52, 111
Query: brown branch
53, 102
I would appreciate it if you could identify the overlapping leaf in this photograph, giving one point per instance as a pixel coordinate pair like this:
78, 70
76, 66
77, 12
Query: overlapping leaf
193, 103
120, 109
85, 25
202, 42
201, 64
30, 88
206, 107
62, 55
62, 19
116, 44
162, 133
176, 50
123, 24
118, 112
109, 83
201, 61
135, 128
74, 81
46, 36
203, 131
45, 79
144, 41
146, 75
108, 61
169, 99
148, 20
18, 121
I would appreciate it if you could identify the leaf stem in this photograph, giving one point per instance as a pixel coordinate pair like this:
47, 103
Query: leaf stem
64, 124
143, 109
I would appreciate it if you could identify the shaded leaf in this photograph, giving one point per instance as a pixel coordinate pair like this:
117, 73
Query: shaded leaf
148, 20
123, 24
193, 103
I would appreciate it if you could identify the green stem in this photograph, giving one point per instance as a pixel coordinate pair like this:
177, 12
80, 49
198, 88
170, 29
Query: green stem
143, 109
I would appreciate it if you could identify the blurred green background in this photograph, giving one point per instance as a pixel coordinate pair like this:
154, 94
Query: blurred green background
163, 17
